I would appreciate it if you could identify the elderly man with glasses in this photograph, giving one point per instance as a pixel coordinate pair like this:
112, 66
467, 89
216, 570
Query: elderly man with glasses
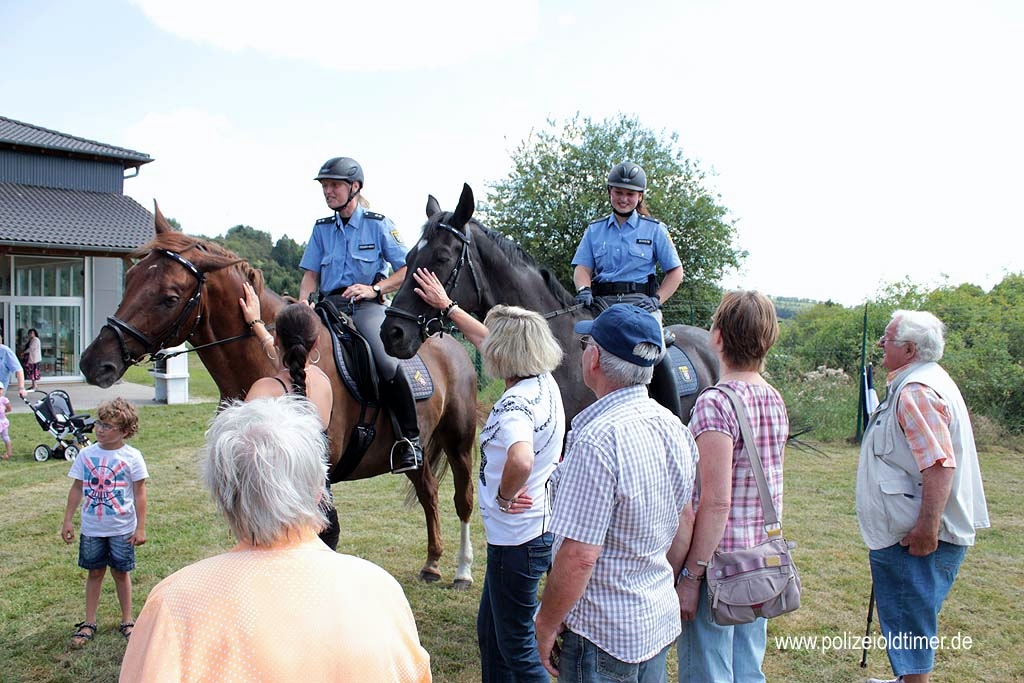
919, 492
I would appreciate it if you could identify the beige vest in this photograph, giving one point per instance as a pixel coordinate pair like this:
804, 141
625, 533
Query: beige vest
889, 484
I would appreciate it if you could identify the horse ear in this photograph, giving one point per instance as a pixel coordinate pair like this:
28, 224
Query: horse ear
464, 211
432, 206
159, 222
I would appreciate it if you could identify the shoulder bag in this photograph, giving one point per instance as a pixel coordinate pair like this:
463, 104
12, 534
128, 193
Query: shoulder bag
761, 581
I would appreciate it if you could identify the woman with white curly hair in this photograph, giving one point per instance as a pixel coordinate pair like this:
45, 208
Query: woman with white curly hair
280, 605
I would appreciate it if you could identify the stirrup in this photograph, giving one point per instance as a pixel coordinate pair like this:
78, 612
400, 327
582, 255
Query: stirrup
404, 464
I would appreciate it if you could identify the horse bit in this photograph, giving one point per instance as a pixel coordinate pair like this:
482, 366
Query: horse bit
437, 324
153, 348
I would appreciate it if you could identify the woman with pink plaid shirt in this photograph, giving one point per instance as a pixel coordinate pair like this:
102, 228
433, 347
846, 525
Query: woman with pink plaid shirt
727, 507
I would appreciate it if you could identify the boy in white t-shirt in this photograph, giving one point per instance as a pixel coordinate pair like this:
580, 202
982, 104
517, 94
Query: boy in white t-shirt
5, 424
110, 487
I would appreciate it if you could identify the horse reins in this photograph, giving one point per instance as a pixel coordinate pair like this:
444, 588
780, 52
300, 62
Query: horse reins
153, 347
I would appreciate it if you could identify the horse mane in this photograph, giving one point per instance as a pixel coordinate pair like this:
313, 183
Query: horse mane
215, 256
509, 249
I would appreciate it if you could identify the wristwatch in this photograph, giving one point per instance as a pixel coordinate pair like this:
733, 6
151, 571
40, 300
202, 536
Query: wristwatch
376, 290
685, 574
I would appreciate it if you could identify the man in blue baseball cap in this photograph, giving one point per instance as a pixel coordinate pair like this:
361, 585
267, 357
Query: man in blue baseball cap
619, 497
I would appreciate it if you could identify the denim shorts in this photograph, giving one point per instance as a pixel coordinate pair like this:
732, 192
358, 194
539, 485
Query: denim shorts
97, 552
909, 592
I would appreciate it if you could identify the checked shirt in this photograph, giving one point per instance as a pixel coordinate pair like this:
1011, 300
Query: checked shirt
627, 474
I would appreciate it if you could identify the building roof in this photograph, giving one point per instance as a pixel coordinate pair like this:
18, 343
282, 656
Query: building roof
27, 137
49, 218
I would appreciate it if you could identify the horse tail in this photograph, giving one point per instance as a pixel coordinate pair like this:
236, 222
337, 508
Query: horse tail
438, 464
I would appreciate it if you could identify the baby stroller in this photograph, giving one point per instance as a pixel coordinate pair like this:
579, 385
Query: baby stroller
54, 414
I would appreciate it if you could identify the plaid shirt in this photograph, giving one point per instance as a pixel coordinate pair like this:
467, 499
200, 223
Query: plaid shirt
627, 474
769, 422
925, 419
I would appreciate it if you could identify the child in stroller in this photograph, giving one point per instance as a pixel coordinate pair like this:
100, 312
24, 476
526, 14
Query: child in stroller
54, 414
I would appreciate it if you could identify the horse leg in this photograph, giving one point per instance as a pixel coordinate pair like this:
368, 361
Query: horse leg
462, 476
425, 484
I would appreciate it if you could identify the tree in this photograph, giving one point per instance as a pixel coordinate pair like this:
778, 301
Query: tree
279, 262
557, 185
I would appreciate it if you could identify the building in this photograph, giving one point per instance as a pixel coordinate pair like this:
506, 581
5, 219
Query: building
66, 230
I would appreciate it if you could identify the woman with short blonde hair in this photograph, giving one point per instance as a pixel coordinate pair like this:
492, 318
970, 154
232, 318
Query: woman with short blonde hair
519, 447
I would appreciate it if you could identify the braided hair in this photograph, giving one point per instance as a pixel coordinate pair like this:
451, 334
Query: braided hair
297, 330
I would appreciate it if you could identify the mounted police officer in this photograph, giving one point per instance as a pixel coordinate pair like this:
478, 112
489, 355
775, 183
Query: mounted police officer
346, 261
616, 261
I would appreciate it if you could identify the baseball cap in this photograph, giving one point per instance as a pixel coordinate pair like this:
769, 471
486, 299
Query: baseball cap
620, 328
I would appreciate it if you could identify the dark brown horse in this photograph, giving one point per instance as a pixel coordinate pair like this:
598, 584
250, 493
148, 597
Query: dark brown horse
185, 289
481, 268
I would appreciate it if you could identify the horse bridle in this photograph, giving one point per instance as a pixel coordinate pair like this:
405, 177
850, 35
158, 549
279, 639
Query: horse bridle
439, 324
154, 348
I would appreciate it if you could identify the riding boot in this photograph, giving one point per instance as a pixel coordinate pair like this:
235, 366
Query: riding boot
663, 387
332, 532
406, 454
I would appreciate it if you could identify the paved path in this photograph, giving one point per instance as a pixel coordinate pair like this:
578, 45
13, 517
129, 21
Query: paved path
86, 397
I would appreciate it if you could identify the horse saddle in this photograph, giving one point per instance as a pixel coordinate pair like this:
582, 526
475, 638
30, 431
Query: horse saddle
683, 372
354, 360
358, 372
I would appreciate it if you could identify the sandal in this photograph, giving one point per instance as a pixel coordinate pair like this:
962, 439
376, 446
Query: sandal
126, 628
81, 636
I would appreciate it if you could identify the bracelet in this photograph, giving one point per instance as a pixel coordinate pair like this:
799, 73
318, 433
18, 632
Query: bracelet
504, 505
448, 309
501, 497
253, 323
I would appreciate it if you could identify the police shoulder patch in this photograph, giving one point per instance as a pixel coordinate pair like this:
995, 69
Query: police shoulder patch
398, 237
326, 219
374, 215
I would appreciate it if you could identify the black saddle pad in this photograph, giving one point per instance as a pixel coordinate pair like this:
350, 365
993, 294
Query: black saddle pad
683, 371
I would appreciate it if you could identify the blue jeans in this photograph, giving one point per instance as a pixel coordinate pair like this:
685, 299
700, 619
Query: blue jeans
709, 653
508, 602
580, 661
909, 592
99, 552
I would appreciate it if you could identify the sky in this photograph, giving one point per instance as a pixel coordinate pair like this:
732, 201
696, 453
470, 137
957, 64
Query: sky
854, 144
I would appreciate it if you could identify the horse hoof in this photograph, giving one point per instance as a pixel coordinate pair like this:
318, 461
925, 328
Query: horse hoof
429, 577
462, 584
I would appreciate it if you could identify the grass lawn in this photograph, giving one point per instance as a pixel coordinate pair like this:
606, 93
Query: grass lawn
42, 588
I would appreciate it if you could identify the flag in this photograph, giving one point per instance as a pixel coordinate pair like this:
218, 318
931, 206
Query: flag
870, 395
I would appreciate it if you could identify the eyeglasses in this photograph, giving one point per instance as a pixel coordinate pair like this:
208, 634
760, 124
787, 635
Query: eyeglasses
104, 425
585, 340
883, 340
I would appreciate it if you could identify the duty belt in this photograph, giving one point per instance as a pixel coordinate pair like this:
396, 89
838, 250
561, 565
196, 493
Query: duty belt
613, 288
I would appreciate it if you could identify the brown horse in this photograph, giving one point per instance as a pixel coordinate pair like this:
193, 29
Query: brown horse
481, 268
185, 289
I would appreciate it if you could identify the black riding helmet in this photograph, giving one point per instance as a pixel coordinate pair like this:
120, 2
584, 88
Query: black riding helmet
341, 168
629, 176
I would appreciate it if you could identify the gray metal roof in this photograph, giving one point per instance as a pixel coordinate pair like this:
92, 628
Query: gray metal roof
27, 136
43, 217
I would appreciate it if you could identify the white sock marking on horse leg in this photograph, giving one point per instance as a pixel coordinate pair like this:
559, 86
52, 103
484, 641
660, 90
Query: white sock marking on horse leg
464, 572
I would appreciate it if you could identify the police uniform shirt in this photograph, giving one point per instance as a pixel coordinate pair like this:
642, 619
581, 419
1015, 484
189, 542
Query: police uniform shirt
628, 252
353, 253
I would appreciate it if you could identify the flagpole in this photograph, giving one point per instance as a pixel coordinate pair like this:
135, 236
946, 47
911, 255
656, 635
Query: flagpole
862, 398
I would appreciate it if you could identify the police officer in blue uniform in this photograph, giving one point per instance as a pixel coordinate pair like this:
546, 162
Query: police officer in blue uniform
346, 261
616, 261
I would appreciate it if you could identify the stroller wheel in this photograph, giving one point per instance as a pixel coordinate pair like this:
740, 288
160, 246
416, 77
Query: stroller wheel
41, 453
70, 452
